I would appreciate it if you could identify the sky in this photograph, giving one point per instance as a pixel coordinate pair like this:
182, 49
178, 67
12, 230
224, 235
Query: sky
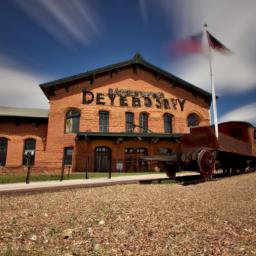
44, 40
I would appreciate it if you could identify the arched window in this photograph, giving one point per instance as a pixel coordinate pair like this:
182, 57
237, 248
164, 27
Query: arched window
143, 122
72, 121
129, 121
167, 123
29, 151
193, 120
3, 151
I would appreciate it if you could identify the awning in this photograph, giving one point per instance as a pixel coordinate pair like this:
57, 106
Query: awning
160, 158
122, 136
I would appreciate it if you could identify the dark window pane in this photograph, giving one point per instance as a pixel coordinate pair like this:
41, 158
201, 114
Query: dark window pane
237, 133
3, 151
73, 113
193, 120
72, 121
167, 123
103, 121
129, 121
68, 152
75, 127
143, 123
29, 152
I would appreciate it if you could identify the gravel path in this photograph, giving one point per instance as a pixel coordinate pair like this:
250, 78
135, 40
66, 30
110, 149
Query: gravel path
212, 218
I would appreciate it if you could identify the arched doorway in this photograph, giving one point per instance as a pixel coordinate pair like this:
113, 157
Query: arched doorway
102, 159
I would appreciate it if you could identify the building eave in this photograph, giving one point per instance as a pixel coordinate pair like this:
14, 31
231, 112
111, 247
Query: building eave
23, 112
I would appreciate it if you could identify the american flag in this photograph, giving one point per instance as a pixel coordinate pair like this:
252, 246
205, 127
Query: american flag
189, 45
216, 44
194, 44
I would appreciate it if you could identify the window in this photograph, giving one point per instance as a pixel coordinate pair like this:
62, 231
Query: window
237, 134
143, 122
72, 121
103, 121
68, 152
29, 152
193, 120
3, 151
164, 151
167, 123
135, 150
255, 134
129, 122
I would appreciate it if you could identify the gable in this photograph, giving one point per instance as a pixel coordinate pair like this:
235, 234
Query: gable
141, 90
137, 63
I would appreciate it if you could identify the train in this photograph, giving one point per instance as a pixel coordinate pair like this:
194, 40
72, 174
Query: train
234, 151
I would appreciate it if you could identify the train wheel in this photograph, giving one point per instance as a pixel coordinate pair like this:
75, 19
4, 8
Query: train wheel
206, 163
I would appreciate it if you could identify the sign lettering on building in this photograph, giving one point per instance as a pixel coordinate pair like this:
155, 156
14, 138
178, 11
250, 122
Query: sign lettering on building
138, 99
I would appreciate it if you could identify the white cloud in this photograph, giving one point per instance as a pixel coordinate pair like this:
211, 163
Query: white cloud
20, 88
67, 21
245, 113
142, 5
233, 23
232, 75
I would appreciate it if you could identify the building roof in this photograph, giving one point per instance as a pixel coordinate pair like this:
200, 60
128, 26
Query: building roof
137, 61
23, 112
236, 122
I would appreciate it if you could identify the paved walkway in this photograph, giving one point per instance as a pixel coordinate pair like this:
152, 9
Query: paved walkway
43, 186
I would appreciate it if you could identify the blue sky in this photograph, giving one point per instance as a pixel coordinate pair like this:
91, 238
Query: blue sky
43, 40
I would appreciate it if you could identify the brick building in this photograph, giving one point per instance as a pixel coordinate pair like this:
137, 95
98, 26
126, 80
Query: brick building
105, 118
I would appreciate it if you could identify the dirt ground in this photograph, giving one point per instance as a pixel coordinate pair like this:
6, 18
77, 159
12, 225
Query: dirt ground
212, 218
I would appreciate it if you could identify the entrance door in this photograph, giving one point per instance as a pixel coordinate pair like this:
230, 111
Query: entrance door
133, 162
102, 159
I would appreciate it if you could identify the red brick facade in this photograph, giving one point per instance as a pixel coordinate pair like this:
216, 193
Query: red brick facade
16, 135
51, 139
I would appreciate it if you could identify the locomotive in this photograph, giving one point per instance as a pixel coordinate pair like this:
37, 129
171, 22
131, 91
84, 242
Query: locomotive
233, 152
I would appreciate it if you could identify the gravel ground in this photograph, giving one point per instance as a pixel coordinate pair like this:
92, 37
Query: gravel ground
212, 218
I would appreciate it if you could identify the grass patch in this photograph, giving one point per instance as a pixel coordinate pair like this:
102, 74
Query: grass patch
11, 178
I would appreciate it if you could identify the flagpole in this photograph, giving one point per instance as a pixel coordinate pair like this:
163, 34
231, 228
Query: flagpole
214, 104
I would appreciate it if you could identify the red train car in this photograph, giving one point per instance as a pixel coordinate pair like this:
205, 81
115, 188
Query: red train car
234, 151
